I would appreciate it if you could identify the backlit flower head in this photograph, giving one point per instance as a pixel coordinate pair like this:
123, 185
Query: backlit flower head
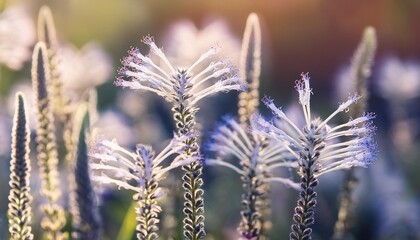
339, 147
175, 84
263, 156
133, 170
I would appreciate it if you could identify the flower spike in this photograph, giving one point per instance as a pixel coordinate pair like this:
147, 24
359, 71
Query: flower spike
259, 160
319, 148
139, 171
184, 88
20, 211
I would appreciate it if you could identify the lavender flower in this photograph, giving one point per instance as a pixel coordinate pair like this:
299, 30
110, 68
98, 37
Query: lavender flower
183, 88
319, 148
141, 172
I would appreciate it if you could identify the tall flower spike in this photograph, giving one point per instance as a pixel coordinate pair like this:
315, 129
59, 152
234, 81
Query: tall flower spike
47, 34
319, 148
141, 172
250, 69
54, 218
183, 88
86, 221
258, 161
20, 211
360, 72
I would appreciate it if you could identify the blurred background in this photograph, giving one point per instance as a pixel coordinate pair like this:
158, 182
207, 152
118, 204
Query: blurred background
298, 36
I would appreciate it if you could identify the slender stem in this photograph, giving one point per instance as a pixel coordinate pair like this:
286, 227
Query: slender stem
346, 205
304, 211
147, 216
192, 181
250, 225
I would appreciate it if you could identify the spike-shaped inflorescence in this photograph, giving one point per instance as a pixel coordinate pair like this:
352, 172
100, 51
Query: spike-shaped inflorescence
319, 148
360, 71
183, 89
250, 69
141, 172
54, 217
259, 160
86, 221
257, 156
19, 211
47, 34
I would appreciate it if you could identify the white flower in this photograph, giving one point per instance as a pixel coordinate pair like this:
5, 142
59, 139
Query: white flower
121, 167
17, 34
263, 156
398, 80
82, 69
340, 147
182, 86
185, 42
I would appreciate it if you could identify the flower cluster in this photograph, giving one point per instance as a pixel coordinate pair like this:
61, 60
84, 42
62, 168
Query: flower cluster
263, 156
141, 172
119, 166
183, 88
259, 159
344, 146
176, 84
319, 148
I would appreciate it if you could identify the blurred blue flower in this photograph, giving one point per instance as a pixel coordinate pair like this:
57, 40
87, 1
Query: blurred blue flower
262, 156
